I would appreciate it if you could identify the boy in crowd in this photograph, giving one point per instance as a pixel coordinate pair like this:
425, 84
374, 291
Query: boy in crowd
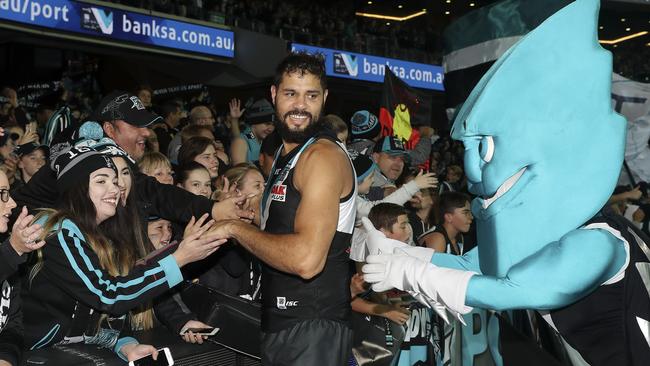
416, 348
31, 157
392, 220
455, 219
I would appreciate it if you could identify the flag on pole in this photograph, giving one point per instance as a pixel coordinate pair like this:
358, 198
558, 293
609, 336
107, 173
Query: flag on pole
403, 108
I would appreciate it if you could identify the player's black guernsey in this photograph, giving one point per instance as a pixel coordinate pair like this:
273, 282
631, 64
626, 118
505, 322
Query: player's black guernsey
286, 298
611, 326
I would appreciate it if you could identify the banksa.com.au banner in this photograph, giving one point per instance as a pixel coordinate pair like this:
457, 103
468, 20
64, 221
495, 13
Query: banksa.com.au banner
373, 68
116, 24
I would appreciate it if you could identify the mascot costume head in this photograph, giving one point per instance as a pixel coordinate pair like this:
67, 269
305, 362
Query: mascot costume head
543, 147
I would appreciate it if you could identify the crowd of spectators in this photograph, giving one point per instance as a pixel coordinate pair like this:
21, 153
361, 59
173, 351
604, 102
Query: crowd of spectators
186, 145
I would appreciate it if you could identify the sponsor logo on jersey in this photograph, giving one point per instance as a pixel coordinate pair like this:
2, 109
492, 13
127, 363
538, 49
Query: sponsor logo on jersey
283, 304
278, 192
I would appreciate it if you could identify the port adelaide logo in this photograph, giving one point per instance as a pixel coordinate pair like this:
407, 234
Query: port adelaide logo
97, 20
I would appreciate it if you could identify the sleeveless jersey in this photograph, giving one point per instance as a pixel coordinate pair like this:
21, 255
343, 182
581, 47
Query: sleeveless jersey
611, 326
286, 298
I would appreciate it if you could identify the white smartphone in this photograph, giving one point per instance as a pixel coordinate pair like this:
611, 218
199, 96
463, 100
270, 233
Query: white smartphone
200, 331
164, 359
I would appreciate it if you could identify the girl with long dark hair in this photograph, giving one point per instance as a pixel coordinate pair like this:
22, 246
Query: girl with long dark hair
84, 283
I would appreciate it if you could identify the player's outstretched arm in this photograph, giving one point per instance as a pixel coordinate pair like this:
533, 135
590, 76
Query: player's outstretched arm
323, 175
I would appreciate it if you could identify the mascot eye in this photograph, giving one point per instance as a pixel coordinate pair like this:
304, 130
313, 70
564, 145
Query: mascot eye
486, 148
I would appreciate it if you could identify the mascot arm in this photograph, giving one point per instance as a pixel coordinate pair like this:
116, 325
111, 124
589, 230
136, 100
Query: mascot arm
557, 275
468, 261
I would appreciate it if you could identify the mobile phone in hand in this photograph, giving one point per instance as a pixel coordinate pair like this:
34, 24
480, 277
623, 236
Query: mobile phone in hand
164, 359
201, 331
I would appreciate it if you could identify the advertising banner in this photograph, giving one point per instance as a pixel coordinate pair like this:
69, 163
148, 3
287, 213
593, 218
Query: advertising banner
119, 25
358, 66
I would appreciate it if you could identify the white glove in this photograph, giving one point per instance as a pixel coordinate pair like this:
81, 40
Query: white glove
377, 242
432, 285
422, 253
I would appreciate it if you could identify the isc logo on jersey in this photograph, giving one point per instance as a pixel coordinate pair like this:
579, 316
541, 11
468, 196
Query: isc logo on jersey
283, 304
278, 192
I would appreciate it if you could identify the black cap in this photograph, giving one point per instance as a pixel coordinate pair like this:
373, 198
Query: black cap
260, 111
29, 147
121, 105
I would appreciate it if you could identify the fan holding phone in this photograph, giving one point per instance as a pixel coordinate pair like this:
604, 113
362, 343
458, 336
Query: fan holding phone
160, 357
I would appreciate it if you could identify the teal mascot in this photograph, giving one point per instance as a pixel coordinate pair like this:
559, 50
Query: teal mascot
543, 151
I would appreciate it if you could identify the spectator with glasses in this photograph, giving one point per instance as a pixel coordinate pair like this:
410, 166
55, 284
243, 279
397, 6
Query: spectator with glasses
23, 240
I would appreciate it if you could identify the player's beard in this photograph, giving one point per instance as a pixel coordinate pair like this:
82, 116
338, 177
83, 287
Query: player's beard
297, 136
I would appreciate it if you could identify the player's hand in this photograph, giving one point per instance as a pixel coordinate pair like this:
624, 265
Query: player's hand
231, 208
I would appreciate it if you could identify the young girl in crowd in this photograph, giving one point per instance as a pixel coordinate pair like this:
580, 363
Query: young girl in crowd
165, 307
12, 254
96, 277
159, 231
245, 179
155, 164
201, 150
195, 178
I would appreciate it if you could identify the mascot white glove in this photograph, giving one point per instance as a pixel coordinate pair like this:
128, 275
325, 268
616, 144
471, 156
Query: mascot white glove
434, 286
378, 243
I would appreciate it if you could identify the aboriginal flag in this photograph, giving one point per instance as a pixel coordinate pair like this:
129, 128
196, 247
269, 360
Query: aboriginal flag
403, 108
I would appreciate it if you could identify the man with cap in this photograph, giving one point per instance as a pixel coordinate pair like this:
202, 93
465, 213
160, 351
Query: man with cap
259, 118
31, 157
124, 119
390, 156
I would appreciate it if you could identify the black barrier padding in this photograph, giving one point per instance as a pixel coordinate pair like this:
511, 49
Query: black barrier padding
238, 319
184, 354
